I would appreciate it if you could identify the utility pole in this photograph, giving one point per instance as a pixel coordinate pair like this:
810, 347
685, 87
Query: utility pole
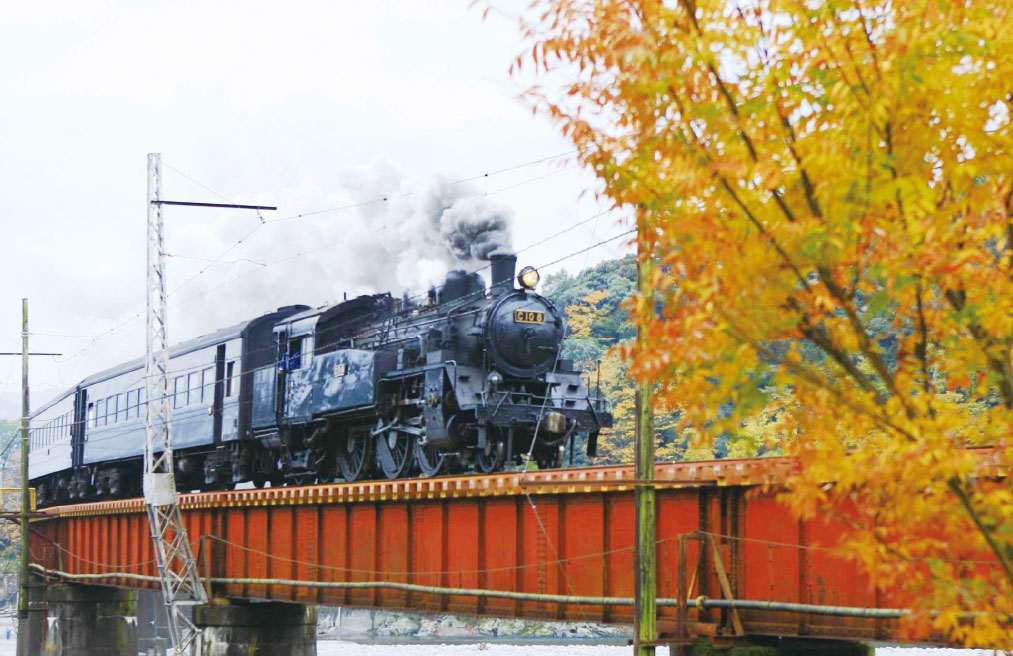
177, 569
26, 507
645, 631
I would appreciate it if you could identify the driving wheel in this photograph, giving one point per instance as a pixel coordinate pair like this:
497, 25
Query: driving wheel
395, 450
355, 457
430, 461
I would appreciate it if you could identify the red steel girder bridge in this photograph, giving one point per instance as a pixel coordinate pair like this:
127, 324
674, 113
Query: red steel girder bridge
542, 545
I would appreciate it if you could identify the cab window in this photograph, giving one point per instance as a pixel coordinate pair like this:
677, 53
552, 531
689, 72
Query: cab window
295, 353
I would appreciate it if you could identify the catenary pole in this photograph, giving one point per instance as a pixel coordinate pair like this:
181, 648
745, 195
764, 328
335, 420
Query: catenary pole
645, 632
177, 568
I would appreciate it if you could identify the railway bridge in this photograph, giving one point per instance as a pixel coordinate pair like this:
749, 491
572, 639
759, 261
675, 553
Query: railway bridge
733, 564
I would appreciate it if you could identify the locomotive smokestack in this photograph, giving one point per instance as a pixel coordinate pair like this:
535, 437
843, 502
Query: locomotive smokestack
504, 266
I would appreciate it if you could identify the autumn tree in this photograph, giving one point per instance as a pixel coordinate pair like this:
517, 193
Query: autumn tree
824, 192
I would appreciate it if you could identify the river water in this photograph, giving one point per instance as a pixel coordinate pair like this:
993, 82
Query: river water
337, 648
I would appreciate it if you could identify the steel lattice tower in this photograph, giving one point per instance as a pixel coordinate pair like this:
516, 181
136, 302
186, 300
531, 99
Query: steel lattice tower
177, 569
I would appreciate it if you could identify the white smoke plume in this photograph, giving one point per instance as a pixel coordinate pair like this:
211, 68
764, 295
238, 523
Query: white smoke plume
423, 230
404, 244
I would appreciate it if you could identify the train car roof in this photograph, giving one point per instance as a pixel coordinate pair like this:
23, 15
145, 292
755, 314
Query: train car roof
51, 402
197, 343
326, 312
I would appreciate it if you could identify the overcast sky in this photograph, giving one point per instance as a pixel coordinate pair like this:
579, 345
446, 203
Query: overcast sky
307, 105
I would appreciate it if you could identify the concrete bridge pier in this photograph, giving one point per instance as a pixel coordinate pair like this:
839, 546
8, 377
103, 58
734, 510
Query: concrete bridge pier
267, 629
91, 619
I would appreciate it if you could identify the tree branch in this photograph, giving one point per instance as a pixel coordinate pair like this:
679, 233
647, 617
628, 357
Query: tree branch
922, 349
727, 95
1000, 365
864, 343
882, 421
807, 185
738, 201
958, 489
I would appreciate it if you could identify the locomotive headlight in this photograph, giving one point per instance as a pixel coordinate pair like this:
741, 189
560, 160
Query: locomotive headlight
528, 277
494, 379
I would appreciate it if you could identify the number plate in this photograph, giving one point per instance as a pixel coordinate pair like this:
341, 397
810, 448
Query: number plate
528, 316
340, 369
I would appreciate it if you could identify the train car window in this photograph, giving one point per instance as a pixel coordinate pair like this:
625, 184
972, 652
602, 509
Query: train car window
92, 414
121, 411
229, 371
178, 392
141, 403
111, 409
100, 410
208, 388
193, 388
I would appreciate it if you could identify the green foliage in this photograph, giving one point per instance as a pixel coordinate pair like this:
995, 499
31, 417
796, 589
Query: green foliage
9, 429
9, 534
595, 302
611, 325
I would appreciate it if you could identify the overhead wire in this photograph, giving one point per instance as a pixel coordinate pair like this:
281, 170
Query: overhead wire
130, 321
473, 294
303, 253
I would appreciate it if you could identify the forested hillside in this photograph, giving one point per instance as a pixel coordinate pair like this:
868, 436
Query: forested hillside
10, 457
597, 321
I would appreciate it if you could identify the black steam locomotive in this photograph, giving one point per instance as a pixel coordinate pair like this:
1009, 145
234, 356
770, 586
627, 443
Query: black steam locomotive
373, 386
